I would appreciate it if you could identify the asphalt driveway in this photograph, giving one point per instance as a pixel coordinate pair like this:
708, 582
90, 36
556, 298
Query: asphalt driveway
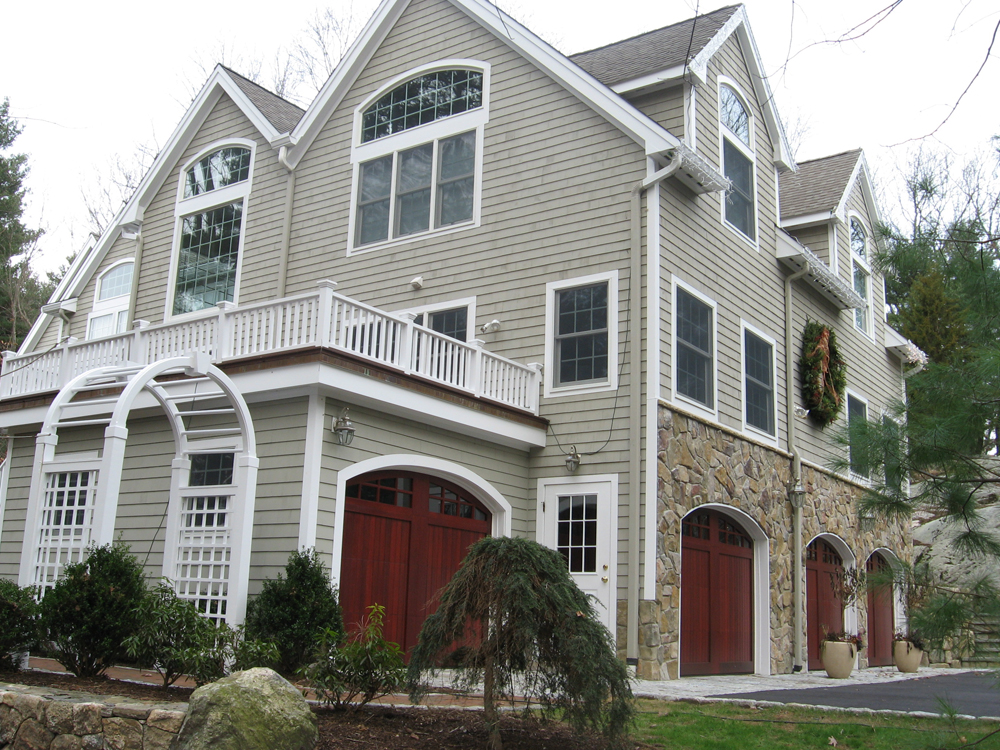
972, 693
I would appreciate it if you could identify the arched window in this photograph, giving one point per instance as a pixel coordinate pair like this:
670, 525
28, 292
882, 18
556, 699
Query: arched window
418, 155
211, 207
737, 161
862, 280
111, 299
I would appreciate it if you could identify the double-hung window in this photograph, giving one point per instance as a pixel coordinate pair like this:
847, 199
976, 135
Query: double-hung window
862, 277
110, 314
738, 162
210, 213
857, 427
694, 348
418, 160
452, 322
581, 334
758, 383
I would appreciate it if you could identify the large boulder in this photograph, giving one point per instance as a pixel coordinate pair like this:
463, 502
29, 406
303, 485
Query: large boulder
253, 710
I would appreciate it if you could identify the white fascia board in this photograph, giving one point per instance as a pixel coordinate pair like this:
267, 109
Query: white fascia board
861, 173
650, 80
739, 23
218, 83
654, 138
820, 217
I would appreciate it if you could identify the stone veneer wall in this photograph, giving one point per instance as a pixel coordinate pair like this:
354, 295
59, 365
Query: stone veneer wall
699, 463
40, 719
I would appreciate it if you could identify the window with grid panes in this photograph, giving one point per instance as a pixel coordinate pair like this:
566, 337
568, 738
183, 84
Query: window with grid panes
695, 363
110, 315
862, 279
582, 334
422, 100
759, 382
737, 162
576, 536
453, 322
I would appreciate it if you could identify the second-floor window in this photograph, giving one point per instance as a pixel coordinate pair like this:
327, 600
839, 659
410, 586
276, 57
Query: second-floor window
695, 348
418, 154
738, 162
582, 334
211, 211
862, 277
758, 386
111, 300
857, 426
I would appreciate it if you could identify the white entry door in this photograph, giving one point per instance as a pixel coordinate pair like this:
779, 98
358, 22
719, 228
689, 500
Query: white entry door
577, 518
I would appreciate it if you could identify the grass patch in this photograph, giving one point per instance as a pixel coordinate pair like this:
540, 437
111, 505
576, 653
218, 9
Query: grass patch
721, 726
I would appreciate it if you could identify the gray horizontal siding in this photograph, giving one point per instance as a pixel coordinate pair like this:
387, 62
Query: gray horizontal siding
21, 453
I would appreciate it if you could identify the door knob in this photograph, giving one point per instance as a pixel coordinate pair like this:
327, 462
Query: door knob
604, 578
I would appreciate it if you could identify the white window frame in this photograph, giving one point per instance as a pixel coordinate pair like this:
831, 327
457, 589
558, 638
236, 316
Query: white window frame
747, 149
852, 394
431, 132
862, 263
112, 305
679, 398
430, 309
551, 293
748, 428
185, 207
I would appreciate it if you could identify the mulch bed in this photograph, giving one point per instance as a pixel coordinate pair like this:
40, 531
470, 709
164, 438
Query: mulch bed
367, 728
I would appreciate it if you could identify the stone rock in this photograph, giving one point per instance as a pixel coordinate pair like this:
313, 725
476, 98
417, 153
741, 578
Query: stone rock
10, 720
157, 739
66, 742
168, 721
122, 734
29, 705
252, 710
59, 717
32, 736
92, 741
131, 711
87, 719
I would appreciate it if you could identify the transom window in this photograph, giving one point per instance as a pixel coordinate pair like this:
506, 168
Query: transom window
859, 240
412, 191
116, 282
758, 367
862, 279
582, 334
737, 162
695, 367
211, 212
422, 100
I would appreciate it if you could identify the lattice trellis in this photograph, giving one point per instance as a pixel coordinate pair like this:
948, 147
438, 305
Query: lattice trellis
67, 518
204, 554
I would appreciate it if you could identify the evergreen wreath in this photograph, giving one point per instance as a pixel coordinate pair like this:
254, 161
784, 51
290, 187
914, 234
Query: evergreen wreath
824, 372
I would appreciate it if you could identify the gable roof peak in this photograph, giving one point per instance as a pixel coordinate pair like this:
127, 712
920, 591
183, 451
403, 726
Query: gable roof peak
281, 113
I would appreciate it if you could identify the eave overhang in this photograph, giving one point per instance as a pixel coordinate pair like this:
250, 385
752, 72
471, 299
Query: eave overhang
697, 173
818, 275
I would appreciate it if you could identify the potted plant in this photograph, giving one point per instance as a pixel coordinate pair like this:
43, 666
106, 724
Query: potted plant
907, 650
838, 651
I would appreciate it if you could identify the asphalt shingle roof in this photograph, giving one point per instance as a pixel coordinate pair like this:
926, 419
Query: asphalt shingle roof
819, 185
654, 50
282, 114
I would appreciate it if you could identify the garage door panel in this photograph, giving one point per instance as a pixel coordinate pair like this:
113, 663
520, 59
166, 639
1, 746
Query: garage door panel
734, 623
824, 609
696, 596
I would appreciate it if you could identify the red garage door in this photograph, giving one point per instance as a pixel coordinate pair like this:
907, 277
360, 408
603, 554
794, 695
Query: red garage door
404, 537
824, 610
880, 616
716, 596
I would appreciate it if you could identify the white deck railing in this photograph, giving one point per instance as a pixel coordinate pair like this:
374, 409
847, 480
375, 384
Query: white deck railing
325, 319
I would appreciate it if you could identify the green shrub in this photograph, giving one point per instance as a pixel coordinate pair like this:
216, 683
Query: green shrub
168, 625
366, 667
18, 622
93, 608
293, 610
225, 650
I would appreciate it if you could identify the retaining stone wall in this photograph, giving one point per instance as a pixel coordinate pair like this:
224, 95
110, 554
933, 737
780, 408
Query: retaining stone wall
699, 463
44, 719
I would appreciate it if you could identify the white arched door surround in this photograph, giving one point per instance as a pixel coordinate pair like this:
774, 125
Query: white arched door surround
456, 473
761, 584
203, 391
898, 598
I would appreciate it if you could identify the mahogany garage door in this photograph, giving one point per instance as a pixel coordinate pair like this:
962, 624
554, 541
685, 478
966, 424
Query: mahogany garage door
716, 595
824, 610
880, 616
405, 535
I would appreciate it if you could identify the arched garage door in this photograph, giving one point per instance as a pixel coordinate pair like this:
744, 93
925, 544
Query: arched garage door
824, 609
405, 535
716, 595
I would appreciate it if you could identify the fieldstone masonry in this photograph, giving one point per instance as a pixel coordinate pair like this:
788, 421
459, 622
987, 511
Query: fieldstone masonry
699, 463
34, 718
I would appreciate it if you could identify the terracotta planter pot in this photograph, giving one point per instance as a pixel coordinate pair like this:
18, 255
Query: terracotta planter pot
906, 656
838, 658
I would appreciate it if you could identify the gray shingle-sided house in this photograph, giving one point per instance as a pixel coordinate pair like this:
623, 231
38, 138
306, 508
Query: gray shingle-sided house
477, 287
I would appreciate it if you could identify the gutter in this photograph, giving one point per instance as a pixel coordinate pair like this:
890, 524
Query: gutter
796, 492
286, 229
635, 396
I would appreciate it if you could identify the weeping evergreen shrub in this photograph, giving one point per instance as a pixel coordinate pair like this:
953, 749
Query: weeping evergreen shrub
18, 622
292, 610
515, 613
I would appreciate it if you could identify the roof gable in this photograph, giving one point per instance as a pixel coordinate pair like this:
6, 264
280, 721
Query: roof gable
819, 185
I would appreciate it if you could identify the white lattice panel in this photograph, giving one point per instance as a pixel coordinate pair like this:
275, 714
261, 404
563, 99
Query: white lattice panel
204, 553
66, 522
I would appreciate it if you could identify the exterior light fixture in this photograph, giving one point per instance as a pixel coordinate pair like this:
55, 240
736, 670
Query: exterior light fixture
343, 428
493, 325
417, 282
797, 495
572, 460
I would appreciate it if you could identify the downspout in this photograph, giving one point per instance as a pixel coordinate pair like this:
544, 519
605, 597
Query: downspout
286, 229
796, 492
635, 398
137, 264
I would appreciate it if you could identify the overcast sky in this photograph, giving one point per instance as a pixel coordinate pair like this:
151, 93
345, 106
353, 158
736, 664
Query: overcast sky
92, 80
